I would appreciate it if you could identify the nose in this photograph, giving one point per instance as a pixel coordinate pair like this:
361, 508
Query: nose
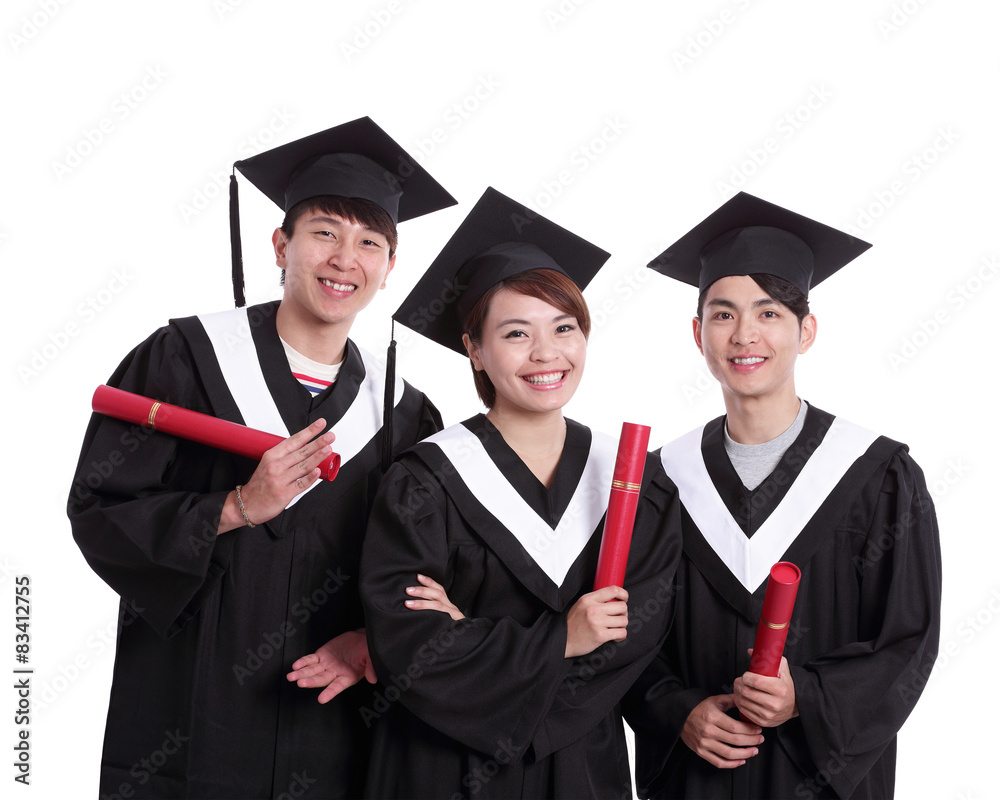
746, 330
544, 349
343, 256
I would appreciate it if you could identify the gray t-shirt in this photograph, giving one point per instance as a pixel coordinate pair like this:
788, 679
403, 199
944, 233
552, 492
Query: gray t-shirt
754, 462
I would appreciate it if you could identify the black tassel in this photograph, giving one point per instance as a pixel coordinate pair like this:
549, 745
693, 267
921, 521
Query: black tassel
235, 243
390, 401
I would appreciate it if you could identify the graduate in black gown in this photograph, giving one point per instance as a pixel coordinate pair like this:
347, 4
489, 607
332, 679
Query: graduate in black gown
777, 479
228, 570
501, 669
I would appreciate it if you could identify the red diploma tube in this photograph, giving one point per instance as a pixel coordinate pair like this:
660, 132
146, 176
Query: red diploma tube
201, 428
620, 518
772, 630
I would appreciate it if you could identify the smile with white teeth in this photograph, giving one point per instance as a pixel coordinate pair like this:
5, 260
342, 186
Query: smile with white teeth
547, 378
745, 361
340, 287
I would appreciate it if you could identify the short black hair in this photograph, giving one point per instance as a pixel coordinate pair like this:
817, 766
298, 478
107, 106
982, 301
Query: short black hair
778, 289
353, 209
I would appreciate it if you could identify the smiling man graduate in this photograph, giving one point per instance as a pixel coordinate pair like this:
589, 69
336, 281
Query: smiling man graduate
777, 479
229, 570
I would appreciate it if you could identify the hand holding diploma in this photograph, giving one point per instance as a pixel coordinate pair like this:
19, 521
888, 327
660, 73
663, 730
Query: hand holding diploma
287, 466
765, 694
287, 469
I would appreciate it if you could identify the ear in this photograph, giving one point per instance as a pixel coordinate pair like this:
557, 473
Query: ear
696, 330
807, 333
392, 263
473, 351
280, 242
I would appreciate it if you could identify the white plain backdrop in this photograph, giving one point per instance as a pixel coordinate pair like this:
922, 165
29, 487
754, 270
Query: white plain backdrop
625, 122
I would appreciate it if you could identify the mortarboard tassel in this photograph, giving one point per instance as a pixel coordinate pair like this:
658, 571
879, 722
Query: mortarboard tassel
234, 241
390, 400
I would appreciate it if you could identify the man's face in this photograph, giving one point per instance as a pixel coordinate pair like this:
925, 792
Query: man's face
750, 341
333, 268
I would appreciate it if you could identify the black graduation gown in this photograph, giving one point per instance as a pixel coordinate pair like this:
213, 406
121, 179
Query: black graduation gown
210, 625
489, 706
861, 643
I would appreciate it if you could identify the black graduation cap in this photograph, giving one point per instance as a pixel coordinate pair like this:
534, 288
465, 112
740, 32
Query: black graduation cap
748, 235
500, 238
355, 160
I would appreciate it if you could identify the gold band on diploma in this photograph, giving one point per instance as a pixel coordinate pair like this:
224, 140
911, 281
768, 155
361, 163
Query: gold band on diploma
772, 626
152, 415
625, 486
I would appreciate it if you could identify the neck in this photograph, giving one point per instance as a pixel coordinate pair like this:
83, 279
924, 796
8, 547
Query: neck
324, 343
755, 420
538, 439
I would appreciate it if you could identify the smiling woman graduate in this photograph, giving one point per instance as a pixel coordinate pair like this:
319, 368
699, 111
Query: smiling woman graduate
502, 672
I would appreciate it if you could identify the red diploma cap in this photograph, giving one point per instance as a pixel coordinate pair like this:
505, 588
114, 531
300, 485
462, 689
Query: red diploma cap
779, 600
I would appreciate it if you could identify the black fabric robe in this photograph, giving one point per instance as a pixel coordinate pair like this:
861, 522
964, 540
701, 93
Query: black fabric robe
210, 625
489, 706
861, 643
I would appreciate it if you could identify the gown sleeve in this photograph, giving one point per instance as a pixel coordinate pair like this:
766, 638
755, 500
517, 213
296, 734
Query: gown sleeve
852, 700
487, 679
141, 505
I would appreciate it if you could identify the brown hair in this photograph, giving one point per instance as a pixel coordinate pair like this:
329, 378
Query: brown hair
784, 292
553, 287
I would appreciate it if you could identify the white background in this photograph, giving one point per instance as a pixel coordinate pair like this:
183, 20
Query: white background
627, 123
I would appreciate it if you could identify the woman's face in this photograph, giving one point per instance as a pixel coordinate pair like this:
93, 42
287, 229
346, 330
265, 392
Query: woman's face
533, 352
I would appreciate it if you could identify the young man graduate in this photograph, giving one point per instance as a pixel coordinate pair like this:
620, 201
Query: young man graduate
777, 479
229, 570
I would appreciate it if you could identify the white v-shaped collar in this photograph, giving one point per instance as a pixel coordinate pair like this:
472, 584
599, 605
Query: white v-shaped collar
232, 341
750, 559
553, 549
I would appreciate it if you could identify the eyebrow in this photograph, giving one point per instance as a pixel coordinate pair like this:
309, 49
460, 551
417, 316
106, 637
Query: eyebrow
340, 223
504, 322
327, 220
723, 303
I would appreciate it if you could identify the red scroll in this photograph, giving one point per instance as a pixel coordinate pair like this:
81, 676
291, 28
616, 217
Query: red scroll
620, 519
772, 630
201, 428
